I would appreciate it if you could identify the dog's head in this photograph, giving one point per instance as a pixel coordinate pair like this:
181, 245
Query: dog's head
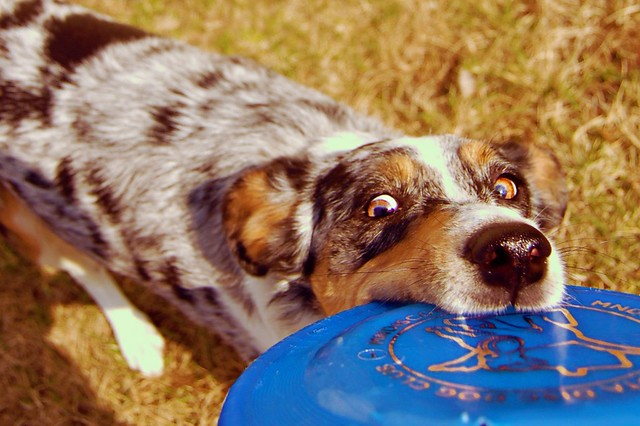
449, 221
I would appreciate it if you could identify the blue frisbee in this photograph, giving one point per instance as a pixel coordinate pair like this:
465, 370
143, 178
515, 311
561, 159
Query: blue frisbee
386, 364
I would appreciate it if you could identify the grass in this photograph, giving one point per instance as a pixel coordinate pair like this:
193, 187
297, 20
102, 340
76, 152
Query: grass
563, 74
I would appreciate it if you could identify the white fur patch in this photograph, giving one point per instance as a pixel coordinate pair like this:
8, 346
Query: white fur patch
261, 321
304, 224
439, 158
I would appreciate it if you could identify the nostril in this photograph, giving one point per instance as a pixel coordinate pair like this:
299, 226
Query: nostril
489, 255
498, 257
535, 253
509, 255
536, 256
540, 247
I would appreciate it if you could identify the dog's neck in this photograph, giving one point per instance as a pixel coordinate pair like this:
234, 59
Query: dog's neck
277, 310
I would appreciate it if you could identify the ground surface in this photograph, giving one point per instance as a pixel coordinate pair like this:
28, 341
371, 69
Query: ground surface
564, 74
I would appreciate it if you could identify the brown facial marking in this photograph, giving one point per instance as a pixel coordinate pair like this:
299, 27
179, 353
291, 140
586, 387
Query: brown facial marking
399, 167
407, 271
477, 153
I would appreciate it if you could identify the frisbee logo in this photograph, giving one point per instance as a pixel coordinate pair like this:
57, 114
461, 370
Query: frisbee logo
489, 346
560, 354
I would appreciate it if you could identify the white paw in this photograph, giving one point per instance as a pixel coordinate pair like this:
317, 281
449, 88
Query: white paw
141, 345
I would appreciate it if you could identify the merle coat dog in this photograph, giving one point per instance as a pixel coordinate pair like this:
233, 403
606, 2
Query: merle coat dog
255, 204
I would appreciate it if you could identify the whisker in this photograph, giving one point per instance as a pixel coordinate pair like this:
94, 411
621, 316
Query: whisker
535, 218
596, 240
603, 276
377, 271
588, 250
570, 298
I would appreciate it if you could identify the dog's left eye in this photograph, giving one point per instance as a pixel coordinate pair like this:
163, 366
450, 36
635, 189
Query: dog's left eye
381, 206
505, 188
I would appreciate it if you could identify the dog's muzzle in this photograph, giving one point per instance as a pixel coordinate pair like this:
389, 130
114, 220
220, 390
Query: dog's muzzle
512, 256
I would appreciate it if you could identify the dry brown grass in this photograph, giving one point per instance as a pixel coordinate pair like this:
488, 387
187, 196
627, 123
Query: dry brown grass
560, 73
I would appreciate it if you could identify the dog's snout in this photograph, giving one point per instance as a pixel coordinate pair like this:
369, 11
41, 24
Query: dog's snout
511, 256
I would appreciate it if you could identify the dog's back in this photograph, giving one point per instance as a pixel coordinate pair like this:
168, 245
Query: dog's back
123, 144
120, 120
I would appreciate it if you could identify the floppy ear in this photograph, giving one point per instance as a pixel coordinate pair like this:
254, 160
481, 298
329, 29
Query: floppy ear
546, 179
267, 218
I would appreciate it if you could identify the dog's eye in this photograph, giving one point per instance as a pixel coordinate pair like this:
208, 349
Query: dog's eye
381, 206
505, 188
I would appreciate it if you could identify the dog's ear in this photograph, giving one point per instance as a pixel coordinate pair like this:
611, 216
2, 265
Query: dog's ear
546, 178
267, 219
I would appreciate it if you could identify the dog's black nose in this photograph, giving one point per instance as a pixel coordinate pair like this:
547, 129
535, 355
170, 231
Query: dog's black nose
509, 255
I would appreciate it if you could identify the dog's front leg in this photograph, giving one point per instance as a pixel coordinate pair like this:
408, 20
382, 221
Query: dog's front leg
140, 343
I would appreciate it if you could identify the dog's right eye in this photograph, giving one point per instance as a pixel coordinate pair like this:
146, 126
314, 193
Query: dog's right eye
381, 206
505, 188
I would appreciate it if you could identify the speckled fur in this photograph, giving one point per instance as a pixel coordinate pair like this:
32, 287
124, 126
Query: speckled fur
130, 147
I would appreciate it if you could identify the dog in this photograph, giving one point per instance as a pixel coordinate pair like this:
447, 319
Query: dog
254, 204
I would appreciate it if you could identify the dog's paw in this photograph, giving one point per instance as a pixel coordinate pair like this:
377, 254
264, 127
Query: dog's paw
141, 345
